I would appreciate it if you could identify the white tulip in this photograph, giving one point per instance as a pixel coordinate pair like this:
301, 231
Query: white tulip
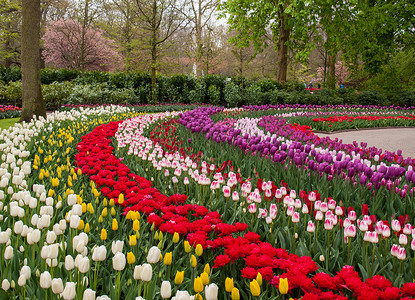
62, 224
89, 294
74, 221
5, 285
57, 286
4, 237
211, 292
22, 280
77, 210
117, 246
69, 263
146, 272
34, 220
50, 237
8, 252
165, 289
83, 265
69, 291
99, 253
137, 272
18, 227
71, 199
26, 272
45, 280
84, 237
118, 261
153, 255
25, 230
53, 251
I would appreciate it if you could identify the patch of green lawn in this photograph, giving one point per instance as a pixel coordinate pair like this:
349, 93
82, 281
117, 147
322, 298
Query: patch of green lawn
6, 123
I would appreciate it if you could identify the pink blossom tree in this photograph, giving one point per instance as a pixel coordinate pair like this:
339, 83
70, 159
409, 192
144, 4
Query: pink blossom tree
67, 44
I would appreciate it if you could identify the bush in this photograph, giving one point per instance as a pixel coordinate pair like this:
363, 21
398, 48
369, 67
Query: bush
12, 93
232, 95
214, 95
56, 94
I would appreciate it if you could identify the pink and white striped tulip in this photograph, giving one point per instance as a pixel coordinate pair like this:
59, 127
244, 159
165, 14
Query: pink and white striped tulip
396, 226
226, 191
295, 217
352, 215
332, 204
350, 231
403, 239
252, 208
319, 215
386, 231
328, 224
312, 196
407, 229
362, 225
311, 227
347, 222
290, 210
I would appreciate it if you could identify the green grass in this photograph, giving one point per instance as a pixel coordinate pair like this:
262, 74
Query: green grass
6, 123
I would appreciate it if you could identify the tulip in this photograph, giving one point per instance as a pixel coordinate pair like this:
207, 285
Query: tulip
176, 238
132, 240
22, 280
130, 258
26, 272
229, 284
165, 290
146, 272
235, 294
168, 258
136, 225
199, 250
198, 285
319, 216
352, 215
178, 279
117, 246
89, 295
153, 255
413, 244
45, 280
187, 247
328, 224
401, 254
296, 217
350, 231
403, 239
8, 253
255, 289
211, 292
99, 253
386, 231
396, 226
283, 286
69, 291
57, 286
137, 272
118, 261
114, 224
5, 285
311, 227
259, 278
205, 278
69, 263
74, 222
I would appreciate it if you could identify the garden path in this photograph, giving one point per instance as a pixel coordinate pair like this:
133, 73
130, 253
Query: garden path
390, 139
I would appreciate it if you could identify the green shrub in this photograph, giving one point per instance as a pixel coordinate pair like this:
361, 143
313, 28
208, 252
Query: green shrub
12, 93
214, 95
56, 94
232, 94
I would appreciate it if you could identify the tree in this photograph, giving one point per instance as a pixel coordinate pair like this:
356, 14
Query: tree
161, 19
32, 100
63, 47
10, 15
287, 23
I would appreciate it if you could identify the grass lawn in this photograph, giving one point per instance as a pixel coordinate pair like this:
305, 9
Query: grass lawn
6, 123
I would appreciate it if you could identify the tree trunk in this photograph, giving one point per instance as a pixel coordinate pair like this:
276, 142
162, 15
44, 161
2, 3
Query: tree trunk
332, 72
283, 38
83, 34
32, 100
154, 53
198, 36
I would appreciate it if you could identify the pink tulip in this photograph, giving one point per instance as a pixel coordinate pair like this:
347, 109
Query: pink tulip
186, 181
312, 196
290, 210
319, 215
317, 205
268, 193
339, 211
273, 211
413, 244
332, 204
352, 215
278, 194
305, 209
311, 227
347, 222
407, 229
401, 254
166, 172
252, 208
350, 231
362, 225
235, 196
367, 219
379, 227
296, 217
396, 226
226, 191
293, 194
328, 224
386, 231
297, 203
403, 239
323, 206
395, 250
283, 190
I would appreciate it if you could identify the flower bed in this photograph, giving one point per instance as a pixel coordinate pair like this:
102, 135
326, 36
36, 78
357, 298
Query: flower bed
205, 196
9, 111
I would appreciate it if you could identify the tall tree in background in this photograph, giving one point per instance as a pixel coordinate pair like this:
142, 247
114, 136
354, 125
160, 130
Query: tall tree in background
287, 23
200, 14
161, 19
32, 100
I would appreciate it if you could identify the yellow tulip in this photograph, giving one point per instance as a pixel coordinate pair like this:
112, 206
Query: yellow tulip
207, 269
187, 247
86, 228
283, 286
259, 278
130, 258
51, 193
235, 294
90, 208
205, 278
114, 224
198, 297
113, 211
198, 285
133, 240
193, 261
55, 182
136, 225
121, 199
229, 284
255, 289
105, 202
176, 238
199, 250
100, 219
178, 279
160, 236
103, 234
104, 212
112, 203
84, 207
129, 215
79, 172
81, 225
168, 258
